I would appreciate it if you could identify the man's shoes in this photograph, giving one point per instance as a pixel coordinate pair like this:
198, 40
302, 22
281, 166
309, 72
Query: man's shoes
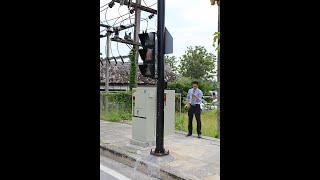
199, 136
188, 134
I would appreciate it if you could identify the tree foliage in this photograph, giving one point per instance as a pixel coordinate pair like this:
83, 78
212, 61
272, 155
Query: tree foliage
197, 63
183, 84
216, 39
213, 2
216, 35
172, 62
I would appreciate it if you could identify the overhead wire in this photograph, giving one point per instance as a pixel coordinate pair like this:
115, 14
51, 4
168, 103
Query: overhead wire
105, 16
121, 16
104, 6
145, 3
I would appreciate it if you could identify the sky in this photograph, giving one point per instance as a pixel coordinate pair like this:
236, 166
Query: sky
190, 22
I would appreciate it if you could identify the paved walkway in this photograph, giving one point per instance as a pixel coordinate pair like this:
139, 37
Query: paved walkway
193, 157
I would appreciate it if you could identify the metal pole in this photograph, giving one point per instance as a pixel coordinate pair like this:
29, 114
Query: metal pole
160, 151
180, 107
218, 77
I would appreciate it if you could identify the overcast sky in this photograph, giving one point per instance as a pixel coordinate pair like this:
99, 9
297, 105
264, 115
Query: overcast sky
190, 22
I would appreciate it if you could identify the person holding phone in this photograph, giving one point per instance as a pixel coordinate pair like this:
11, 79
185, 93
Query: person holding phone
194, 99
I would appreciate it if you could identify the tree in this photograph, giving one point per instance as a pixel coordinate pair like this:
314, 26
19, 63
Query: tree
215, 1
172, 62
216, 35
197, 63
133, 70
216, 39
183, 84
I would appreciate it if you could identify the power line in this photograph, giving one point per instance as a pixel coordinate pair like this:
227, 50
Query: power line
152, 5
145, 3
117, 17
104, 5
129, 46
120, 14
105, 16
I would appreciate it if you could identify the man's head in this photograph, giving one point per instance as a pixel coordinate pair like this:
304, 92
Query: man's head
195, 85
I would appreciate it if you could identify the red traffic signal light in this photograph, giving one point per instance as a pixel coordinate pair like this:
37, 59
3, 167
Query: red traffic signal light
147, 54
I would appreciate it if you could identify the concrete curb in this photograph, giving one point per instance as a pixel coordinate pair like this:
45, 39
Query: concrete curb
129, 159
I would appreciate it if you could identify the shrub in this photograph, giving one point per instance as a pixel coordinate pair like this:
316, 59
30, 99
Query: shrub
119, 106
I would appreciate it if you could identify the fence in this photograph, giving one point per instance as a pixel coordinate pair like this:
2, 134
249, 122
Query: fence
115, 106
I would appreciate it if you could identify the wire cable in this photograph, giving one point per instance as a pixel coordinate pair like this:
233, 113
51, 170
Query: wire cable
147, 24
117, 17
152, 5
120, 15
145, 3
105, 5
105, 16
129, 47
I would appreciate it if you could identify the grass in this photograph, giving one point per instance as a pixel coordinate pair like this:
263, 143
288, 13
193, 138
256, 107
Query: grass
209, 126
115, 116
208, 121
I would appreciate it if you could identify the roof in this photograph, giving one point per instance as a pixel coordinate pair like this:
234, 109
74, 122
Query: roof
119, 74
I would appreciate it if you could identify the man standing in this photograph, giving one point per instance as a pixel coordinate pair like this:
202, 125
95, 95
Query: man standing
194, 99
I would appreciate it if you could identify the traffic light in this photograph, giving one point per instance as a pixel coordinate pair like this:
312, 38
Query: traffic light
147, 54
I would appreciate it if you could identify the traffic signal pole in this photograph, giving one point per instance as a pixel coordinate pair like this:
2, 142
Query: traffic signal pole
160, 151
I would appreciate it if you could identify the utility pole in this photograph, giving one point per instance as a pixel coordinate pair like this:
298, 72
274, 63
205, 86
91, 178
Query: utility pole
160, 151
107, 63
137, 18
108, 34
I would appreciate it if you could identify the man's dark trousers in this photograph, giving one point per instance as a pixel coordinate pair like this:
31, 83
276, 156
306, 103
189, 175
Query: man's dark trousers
194, 109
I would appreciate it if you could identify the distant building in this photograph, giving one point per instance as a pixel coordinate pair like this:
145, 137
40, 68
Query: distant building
119, 77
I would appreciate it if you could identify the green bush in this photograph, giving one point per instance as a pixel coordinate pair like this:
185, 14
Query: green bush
122, 100
183, 85
119, 108
208, 99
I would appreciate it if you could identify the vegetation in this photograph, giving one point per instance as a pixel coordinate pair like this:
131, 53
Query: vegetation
216, 39
185, 83
213, 2
172, 62
208, 121
133, 70
119, 107
197, 63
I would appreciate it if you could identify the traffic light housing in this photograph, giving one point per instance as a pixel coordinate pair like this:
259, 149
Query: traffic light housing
147, 54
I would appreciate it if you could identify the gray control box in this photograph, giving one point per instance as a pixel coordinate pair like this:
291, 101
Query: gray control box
144, 115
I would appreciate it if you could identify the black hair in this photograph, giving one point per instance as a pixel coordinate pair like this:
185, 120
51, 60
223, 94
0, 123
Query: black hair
195, 82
